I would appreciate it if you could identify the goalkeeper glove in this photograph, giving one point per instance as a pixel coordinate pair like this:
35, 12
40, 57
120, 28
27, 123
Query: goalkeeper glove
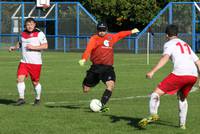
135, 30
81, 62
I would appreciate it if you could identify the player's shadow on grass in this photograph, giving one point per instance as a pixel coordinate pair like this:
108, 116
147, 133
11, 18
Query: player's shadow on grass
165, 123
64, 106
7, 102
132, 121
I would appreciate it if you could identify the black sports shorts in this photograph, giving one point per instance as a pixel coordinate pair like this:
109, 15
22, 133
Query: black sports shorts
97, 73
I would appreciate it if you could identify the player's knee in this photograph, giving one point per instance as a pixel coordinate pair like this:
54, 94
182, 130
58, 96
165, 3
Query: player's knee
180, 96
155, 95
35, 83
19, 80
110, 85
159, 91
86, 89
182, 99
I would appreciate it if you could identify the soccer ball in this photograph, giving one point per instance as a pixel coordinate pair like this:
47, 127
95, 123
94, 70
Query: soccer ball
95, 105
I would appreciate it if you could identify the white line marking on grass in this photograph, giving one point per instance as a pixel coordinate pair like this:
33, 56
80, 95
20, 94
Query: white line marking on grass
112, 99
194, 89
129, 98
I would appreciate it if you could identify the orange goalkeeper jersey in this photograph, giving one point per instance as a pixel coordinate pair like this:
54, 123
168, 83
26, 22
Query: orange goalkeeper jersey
100, 49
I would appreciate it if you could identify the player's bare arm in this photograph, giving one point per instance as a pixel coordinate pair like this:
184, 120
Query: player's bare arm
13, 48
163, 60
41, 47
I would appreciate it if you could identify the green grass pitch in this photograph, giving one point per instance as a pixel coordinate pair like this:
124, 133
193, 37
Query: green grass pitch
64, 108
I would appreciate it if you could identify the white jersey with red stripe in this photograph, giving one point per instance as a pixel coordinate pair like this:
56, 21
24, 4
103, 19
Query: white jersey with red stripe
35, 38
182, 57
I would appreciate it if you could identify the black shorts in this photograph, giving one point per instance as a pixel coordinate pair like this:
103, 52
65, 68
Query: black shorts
97, 73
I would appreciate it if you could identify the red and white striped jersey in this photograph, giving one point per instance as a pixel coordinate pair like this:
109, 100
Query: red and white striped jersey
35, 38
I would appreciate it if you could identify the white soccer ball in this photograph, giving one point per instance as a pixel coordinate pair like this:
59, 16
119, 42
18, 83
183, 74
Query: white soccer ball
95, 105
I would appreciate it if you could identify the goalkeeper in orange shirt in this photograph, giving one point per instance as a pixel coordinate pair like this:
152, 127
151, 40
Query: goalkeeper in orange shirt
100, 51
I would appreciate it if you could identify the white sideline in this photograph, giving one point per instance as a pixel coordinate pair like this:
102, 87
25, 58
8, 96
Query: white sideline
194, 89
83, 101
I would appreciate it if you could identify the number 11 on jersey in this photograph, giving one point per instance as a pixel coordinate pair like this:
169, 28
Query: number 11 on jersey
182, 46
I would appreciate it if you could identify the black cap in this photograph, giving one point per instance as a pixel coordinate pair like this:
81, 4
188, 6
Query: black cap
102, 26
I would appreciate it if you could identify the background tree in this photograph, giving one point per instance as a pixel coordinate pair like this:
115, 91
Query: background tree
122, 14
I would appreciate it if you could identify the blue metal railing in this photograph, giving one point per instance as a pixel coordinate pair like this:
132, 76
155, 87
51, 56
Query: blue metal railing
78, 7
66, 44
77, 36
170, 7
193, 27
0, 21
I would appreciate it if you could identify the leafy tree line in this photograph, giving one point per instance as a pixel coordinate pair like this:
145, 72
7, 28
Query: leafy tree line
122, 14
125, 14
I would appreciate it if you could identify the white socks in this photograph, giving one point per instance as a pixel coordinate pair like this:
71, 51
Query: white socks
183, 107
38, 90
21, 89
154, 103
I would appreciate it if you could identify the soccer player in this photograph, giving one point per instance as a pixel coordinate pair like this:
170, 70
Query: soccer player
100, 51
180, 81
32, 42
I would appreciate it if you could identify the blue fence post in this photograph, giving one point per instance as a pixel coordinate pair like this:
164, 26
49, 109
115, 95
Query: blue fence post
56, 26
22, 19
129, 43
12, 25
170, 13
64, 44
193, 27
68, 44
77, 26
136, 45
0, 22
87, 40
151, 41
